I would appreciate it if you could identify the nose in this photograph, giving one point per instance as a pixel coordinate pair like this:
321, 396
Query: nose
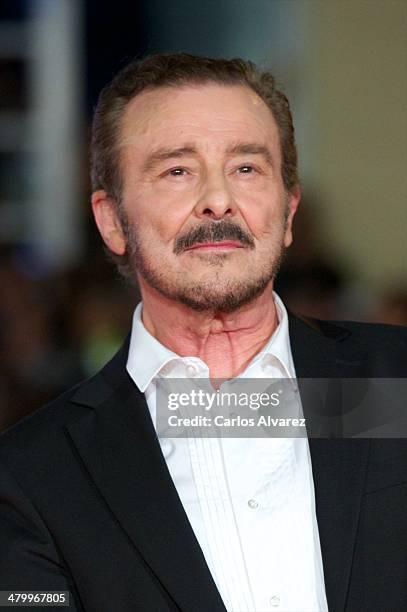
216, 200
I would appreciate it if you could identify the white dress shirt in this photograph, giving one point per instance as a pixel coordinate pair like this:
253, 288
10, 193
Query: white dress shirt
250, 501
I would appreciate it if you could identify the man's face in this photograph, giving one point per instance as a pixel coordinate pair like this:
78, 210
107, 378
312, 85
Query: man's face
207, 216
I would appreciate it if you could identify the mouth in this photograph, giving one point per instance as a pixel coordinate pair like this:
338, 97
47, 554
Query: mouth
226, 245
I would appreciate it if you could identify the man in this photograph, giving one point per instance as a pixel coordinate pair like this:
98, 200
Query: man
195, 188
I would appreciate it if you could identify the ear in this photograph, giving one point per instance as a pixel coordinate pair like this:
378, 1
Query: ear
105, 212
293, 199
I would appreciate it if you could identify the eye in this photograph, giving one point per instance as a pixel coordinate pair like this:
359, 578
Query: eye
246, 169
176, 172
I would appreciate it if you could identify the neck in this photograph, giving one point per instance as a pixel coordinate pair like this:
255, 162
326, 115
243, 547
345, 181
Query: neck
225, 342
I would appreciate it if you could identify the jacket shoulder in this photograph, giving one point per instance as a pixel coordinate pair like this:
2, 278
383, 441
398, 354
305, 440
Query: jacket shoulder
358, 349
42, 428
358, 331
376, 334
51, 419
41, 434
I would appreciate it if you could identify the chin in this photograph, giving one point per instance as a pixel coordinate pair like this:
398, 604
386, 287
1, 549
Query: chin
211, 297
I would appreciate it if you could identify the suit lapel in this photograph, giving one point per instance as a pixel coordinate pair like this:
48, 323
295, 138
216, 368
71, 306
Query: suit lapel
338, 465
118, 445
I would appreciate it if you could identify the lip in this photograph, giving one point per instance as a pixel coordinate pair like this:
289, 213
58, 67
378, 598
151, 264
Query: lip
226, 245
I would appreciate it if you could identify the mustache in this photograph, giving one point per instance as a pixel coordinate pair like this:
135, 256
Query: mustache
213, 232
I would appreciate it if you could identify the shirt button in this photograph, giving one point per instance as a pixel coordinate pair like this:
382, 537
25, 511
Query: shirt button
274, 601
252, 503
191, 370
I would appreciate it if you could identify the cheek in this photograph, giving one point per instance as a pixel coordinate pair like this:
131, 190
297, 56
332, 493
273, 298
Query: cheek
262, 217
161, 218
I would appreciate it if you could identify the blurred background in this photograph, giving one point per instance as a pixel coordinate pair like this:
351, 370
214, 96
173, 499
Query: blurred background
343, 65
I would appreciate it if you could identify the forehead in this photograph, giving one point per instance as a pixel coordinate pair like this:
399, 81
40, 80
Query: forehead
208, 113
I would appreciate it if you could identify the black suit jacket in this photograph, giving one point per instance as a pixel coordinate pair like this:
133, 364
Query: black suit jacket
87, 503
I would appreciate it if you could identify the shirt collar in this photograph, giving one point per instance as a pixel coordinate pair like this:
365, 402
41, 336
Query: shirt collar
278, 346
147, 356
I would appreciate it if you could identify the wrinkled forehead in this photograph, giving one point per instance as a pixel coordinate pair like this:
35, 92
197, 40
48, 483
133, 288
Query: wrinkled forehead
207, 112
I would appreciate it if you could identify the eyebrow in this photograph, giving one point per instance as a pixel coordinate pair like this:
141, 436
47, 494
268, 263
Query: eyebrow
251, 148
163, 154
239, 148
